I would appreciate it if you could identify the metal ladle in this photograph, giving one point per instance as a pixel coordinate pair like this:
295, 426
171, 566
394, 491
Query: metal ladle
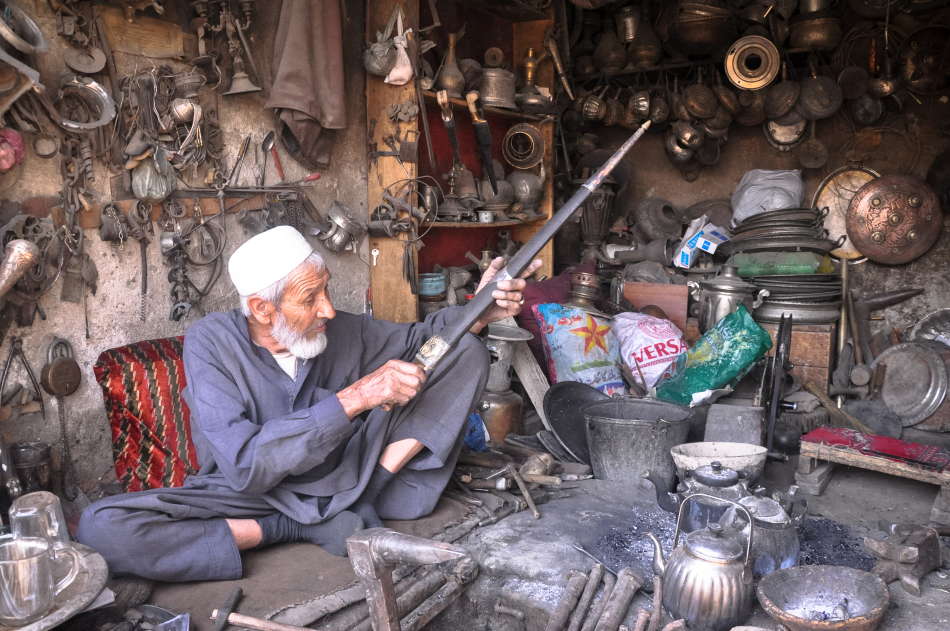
814, 154
267, 145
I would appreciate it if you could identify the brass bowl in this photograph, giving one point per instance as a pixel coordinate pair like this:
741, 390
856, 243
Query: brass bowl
701, 36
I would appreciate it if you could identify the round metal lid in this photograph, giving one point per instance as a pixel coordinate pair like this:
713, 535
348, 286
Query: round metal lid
765, 510
835, 193
894, 219
86, 60
715, 475
752, 62
508, 333
784, 137
711, 544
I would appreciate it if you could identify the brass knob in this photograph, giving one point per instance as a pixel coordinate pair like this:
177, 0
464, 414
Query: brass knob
915, 201
877, 236
913, 235
895, 219
875, 201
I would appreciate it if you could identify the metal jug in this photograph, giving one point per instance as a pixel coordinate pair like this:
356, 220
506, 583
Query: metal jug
776, 544
724, 485
707, 581
722, 295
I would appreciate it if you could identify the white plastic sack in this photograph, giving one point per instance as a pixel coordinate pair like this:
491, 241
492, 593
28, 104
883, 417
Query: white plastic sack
654, 344
761, 190
401, 74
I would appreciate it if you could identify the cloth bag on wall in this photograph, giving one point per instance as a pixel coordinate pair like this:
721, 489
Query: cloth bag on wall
307, 92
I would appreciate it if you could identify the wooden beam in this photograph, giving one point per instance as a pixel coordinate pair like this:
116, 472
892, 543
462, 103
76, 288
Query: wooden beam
854, 458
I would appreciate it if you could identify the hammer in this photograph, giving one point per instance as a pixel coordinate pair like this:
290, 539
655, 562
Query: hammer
222, 617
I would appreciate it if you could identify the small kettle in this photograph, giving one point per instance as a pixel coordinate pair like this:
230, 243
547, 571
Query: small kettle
776, 545
707, 581
715, 481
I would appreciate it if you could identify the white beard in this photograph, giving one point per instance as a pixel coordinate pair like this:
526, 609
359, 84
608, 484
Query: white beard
297, 343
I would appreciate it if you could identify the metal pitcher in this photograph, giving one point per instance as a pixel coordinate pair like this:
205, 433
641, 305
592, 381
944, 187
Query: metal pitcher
776, 544
707, 581
722, 295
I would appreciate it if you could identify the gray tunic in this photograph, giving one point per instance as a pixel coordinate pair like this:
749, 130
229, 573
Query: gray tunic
267, 443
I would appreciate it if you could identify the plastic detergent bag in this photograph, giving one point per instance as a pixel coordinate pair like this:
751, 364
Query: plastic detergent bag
648, 345
722, 356
761, 190
580, 347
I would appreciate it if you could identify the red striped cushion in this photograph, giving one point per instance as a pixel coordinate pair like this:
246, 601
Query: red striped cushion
151, 430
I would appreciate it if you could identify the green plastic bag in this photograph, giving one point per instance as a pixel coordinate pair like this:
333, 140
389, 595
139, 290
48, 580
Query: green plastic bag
722, 356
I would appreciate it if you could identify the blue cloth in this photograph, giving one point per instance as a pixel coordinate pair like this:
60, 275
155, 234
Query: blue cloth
475, 434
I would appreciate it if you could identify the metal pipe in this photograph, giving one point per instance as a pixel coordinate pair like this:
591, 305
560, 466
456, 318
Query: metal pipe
593, 582
843, 321
598, 610
628, 582
439, 345
575, 584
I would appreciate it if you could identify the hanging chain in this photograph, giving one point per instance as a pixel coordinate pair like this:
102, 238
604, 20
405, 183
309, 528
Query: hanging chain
66, 473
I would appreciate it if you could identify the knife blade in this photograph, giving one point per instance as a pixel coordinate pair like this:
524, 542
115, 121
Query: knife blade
483, 137
448, 119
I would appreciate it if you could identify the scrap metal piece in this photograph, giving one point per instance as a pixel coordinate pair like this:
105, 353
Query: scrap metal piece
590, 590
374, 553
87, 89
628, 582
575, 585
894, 219
909, 552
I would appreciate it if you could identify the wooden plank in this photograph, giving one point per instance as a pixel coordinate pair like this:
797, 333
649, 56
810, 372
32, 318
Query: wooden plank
392, 297
531, 375
874, 463
145, 36
672, 299
809, 347
531, 34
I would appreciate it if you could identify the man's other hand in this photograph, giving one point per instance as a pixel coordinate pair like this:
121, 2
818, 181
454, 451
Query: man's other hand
395, 383
507, 295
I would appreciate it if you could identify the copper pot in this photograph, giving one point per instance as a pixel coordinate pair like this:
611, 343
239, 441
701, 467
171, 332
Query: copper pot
702, 36
688, 136
721, 119
700, 100
497, 88
675, 152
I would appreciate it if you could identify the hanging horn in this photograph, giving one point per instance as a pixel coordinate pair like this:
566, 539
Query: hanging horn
20, 256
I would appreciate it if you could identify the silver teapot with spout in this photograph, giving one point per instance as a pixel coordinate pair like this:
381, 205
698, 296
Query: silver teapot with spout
721, 486
721, 295
776, 544
707, 581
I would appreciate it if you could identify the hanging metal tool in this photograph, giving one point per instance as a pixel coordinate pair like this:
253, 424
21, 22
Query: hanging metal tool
448, 119
236, 170
60, 378
482, 137
415, 58
137, 232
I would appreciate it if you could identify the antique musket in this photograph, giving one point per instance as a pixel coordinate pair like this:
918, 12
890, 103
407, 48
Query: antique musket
439, 345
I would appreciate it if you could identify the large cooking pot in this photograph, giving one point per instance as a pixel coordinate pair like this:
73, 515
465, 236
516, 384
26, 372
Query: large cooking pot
722, 295
627, 436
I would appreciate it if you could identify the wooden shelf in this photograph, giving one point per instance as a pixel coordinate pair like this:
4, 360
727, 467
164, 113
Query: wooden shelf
478, 224
500, 112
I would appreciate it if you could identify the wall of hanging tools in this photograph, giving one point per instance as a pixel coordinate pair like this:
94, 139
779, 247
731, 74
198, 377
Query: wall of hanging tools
190, 83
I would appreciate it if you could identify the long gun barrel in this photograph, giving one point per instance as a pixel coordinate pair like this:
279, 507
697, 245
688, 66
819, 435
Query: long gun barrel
437, 346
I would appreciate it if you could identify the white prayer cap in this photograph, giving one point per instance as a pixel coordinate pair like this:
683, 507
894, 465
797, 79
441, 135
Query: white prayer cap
267, 258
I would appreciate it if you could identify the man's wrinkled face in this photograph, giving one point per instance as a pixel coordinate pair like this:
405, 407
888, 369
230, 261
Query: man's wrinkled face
300, 325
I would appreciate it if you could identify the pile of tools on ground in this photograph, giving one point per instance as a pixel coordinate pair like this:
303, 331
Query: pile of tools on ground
508, 479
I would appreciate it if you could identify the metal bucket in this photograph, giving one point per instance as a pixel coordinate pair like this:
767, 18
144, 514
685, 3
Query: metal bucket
628, 436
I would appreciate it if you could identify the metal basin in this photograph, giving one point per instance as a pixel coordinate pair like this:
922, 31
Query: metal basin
799, 597
737, 456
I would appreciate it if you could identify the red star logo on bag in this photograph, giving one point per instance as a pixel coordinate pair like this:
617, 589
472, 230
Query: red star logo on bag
595, 335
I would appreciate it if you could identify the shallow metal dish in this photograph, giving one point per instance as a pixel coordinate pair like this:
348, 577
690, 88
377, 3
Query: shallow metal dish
835, 193
796, 596
915, 382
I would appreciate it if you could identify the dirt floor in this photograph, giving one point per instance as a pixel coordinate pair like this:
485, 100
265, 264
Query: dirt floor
523, 561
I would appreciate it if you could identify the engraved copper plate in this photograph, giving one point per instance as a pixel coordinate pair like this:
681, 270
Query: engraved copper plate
894, 219
835, 193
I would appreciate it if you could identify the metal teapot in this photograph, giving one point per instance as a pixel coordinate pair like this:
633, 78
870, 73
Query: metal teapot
722, 485
707, 581
776, 544
722, 295
528, 187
